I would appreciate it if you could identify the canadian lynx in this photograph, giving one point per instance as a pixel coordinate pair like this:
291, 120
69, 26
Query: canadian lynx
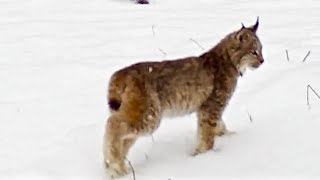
141, 94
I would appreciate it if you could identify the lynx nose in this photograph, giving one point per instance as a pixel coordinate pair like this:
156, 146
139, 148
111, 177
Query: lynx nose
261, 61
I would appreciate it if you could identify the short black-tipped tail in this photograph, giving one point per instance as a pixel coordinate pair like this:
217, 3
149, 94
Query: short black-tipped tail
114, 104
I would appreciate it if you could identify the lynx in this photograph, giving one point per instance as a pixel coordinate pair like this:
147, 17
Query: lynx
141, 94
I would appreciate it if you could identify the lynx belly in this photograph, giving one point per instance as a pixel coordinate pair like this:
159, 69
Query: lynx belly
184, 101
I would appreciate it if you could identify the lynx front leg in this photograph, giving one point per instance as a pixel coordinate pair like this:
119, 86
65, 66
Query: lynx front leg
209, 121
206, 131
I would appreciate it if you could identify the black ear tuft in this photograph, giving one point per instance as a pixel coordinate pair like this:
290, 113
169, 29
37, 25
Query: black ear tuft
254, 28
243, 27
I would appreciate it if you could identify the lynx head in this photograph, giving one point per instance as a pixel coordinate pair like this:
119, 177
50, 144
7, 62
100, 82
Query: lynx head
245, 48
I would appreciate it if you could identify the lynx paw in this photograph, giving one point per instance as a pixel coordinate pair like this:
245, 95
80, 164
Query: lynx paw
195, 152
115, 170
198, 151
226, 132
222, 129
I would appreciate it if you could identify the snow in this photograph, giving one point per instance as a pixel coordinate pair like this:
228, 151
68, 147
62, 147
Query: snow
56, 58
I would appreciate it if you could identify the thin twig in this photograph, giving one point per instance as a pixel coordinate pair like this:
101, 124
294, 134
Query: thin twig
197, 43
162, 51
305, 58
133, 172
153, 32
287, 55
146, 156
250, 117
308, 104
309, 87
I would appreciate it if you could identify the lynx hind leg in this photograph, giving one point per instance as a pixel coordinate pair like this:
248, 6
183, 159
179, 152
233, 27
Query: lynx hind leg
119, 139
114, 157
138, 115
120, 125
222, 129
127, 144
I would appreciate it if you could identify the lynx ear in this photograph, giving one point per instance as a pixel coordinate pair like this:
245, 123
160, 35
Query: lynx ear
239, 34
254, 28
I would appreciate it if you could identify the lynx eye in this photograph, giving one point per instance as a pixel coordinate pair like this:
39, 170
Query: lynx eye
255, 53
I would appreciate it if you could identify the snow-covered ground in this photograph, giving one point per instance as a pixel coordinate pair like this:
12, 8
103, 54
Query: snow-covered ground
56, 57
